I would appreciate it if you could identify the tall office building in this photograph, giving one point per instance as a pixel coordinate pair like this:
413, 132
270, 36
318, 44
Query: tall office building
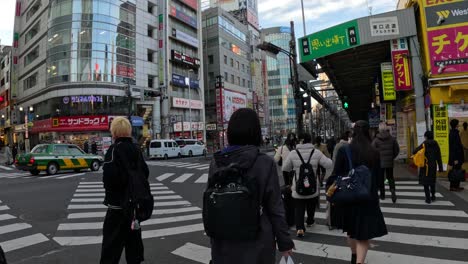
75, 64
180, 69
5, 73
280, 91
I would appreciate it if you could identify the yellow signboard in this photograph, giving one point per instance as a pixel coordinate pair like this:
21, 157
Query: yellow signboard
441, 130
388, 85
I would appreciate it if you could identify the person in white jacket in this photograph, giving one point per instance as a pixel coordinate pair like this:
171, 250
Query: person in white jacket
283, 152
293, 162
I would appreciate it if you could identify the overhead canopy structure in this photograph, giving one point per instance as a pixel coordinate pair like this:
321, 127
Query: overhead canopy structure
351, 55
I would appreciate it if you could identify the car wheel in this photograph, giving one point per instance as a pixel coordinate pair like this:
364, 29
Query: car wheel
95, 165
77, 170
179, 155
165, 156
52, 168
190, 153
35, 172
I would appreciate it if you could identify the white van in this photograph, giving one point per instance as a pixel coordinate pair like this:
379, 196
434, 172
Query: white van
164, 148
191, 147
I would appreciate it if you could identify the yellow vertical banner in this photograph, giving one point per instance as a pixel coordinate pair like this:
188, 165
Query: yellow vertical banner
441, 130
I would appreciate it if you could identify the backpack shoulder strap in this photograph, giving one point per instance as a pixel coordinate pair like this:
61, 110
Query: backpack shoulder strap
299, 154
311, 154
349, 157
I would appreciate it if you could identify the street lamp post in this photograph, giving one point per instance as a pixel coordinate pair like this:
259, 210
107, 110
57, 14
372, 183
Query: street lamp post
187, 82
269, 47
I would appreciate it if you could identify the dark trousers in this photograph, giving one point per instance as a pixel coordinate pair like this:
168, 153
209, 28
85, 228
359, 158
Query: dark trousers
118, 235
387, 172
455, 184
300, 207
321, 171
429, 190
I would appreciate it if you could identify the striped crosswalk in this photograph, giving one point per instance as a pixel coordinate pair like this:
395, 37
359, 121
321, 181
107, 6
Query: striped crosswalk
15, 234
177, 164
183, 177
419, 233
172, 215
27, 175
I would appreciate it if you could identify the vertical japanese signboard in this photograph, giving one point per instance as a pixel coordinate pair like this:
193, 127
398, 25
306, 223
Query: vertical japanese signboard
388, 86
329, 41
447, 35
441, 130
401, 65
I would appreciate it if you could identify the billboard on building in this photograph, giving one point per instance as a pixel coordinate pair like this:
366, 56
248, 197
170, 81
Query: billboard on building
227, 102
401, 64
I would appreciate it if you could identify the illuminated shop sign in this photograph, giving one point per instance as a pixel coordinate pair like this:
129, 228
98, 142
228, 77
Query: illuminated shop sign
82, 99
184, 37
183, 17
179, 80
182, 58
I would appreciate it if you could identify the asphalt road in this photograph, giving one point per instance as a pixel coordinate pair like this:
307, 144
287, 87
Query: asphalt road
58, 219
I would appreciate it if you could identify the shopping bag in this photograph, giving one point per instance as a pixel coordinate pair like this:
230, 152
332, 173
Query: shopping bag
286, 260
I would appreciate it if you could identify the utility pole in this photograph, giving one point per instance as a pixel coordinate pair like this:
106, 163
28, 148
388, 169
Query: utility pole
303, 18
297, 94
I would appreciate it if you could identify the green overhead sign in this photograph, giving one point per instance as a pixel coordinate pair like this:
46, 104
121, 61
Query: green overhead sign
329, 41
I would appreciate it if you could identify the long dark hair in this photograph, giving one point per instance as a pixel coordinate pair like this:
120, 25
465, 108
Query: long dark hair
361, 147
244, 128
291, 141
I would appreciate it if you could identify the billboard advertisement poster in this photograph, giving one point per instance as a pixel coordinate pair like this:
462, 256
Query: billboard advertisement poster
441, 130
186, 103
448, 49
401, 70
231, 101
388, 86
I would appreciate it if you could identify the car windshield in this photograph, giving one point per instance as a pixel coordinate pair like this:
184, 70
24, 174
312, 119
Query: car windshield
39, 149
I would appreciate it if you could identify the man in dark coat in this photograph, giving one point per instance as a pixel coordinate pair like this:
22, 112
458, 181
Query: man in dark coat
86, 147
456, 155
94, 148
388, 148
428, 174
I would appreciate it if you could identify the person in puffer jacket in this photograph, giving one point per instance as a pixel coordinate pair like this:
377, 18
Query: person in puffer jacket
293, 162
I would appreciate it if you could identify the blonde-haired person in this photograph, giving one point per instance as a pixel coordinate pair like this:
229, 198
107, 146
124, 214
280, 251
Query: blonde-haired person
117, 231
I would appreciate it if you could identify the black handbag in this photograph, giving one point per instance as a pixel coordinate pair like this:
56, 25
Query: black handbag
351, 188
456, 175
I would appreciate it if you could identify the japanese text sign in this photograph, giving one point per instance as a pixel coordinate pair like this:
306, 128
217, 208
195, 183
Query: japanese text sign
388, 87
383, 26
186, 103
401, 70
74, 123
448, 50
441, 130
329, 41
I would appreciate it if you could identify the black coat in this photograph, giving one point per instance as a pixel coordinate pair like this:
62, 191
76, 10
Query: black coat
115, 177
362, 221
455, 148
428, 174
273, 230
388, 148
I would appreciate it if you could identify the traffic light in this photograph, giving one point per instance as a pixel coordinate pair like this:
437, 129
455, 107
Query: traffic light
306, 104
345, 105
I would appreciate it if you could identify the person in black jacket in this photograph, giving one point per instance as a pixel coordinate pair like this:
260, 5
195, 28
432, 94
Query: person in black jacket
428, 174
361, 221
456, 155
118, 232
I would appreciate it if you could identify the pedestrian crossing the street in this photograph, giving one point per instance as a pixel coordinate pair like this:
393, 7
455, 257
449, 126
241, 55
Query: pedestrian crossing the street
177, 164
419, 233
183, 177
14, 233
172, 215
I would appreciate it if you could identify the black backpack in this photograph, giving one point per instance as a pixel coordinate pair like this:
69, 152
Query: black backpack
306, 184
231, 206
139, 201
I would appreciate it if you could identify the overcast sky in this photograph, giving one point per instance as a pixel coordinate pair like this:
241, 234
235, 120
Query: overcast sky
319, 14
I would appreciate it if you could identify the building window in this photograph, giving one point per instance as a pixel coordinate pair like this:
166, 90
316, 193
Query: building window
210, 59
226, 79
248, 84
211, 76
151, 31
31, 81
238, 81
33, 10
243, 82
150, 7
232, 62
150, 81
232, 78
225, 59
151, 55
31, 56
243, 67
237, 62
32, 32
8, 76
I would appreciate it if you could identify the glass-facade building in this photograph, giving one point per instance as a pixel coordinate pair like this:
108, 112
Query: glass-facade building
280, 91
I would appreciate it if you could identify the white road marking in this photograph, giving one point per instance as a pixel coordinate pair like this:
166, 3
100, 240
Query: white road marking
168, 197
93, 182
102, 189
161, 204
155, 212
417, 202
86, 215
6, 168
100, 194
196, 166
70, 176
162, 192
87, 240
164, 176
430, 212
48, 177
86, 206
203, 178
13, 227
183, 177
6, 217
23, 242
4, 207
194, 252
203, 168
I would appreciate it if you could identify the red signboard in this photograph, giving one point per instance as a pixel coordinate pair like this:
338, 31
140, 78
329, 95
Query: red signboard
192, 3
41, 126
401, 70
448, 50
80, 123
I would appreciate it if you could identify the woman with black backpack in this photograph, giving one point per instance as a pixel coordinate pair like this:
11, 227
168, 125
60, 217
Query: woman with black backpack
244, 229
363, 220
283, 152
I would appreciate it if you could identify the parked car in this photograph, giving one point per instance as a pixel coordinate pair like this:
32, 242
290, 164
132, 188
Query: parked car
164, 148
55, 157
191, 147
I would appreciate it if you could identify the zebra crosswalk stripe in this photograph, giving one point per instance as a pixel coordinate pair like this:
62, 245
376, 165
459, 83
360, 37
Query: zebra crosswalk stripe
164, 176
203, 178
6, 168
23, 242
183, 177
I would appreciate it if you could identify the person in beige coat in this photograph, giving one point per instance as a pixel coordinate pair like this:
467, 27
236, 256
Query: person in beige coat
283, 152
293, 162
